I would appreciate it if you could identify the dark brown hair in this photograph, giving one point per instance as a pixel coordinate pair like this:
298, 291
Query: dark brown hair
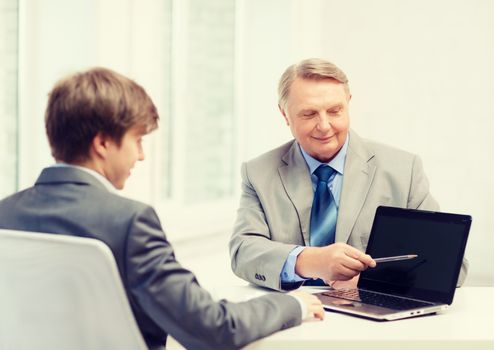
95, 101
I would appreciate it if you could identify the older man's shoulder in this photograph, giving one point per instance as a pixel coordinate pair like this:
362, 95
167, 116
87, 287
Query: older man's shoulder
383, 151
272, 158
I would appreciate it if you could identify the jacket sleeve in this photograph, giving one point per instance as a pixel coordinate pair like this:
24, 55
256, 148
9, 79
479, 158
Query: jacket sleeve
171, 296
255, 257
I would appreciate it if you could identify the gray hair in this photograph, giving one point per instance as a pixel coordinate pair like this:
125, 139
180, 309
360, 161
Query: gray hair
312, 69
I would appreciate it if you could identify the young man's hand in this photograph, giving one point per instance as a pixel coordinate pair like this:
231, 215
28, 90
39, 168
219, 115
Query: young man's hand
313, 306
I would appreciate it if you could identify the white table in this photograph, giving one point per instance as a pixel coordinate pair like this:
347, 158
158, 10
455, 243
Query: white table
467, 324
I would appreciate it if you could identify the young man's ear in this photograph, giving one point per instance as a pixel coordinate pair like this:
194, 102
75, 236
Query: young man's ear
99, 146
284, 114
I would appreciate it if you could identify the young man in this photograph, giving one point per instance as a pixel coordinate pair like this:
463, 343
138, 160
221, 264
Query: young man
95, 122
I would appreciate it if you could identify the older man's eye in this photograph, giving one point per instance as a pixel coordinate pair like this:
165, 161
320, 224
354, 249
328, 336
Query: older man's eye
334, 110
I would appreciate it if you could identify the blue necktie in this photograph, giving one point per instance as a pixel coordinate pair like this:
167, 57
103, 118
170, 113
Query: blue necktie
324, 213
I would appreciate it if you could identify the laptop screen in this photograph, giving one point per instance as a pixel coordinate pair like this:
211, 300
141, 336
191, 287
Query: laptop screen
438, 240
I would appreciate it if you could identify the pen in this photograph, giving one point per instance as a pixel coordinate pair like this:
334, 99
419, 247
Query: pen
395, 258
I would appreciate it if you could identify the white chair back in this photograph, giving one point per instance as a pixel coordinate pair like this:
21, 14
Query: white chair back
62, 292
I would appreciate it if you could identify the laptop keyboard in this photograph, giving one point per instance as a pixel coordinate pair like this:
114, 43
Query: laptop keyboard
372, 298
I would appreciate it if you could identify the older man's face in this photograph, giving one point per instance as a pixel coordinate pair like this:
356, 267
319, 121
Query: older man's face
317, 113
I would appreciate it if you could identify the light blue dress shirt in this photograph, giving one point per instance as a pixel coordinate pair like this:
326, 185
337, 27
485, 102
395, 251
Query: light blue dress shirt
335, 185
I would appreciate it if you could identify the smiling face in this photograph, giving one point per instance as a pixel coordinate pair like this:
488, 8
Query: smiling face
317, 113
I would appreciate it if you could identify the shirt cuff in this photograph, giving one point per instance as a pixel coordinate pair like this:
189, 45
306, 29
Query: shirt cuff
288, 274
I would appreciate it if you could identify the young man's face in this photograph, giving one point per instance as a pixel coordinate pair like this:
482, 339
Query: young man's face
121, 159
317, 113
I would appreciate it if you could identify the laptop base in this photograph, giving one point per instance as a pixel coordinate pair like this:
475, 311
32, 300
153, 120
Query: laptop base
375, 312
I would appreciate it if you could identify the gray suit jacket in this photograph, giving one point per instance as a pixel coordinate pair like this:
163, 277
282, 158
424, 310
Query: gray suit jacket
274, 212
164, 296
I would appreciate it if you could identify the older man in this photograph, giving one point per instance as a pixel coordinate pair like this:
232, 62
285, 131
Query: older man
307, 207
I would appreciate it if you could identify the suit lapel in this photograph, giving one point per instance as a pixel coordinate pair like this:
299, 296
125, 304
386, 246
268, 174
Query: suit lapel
296, 181
357, 180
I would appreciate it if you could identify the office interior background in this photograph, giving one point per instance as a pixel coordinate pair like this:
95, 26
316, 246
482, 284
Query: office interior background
420, 72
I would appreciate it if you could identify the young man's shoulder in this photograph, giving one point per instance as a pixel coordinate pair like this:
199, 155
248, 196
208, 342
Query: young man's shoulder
91, 197
120, 204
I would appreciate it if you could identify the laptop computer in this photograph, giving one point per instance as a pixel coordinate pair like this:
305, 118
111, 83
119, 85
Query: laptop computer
406, 288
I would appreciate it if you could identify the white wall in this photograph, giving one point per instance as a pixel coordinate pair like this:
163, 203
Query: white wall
56, 37
421, 75
420, 72
60, 37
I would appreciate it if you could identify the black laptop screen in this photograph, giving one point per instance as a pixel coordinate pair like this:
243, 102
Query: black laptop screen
438, 239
